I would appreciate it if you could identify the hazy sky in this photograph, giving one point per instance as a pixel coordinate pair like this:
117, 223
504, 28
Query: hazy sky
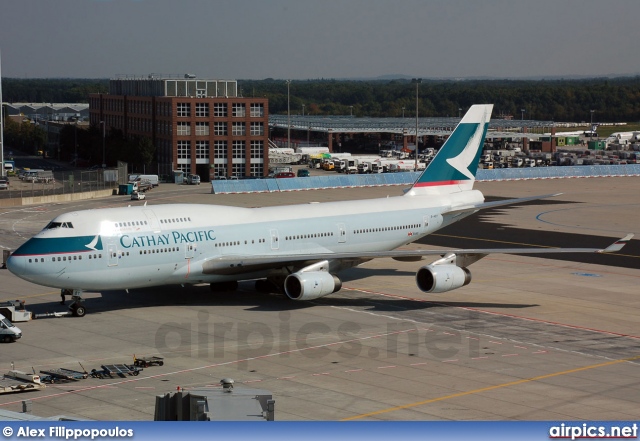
309, 39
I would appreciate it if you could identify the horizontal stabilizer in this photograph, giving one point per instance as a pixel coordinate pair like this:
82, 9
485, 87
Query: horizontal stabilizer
617, 246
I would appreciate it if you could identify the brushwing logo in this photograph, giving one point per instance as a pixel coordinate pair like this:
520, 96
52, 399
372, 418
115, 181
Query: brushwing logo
92, 245
468, 154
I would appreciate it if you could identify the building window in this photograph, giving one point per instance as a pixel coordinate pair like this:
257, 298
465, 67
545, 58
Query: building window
202, 129
238, 129
219, 170
220, 149
239, 110
257, 169
220, 128
257, 110
202, 149
184, 128
220, 109
184, 109
184, 149
202, 109
238, 149
257, 149
257, 128
186, 169
238, 170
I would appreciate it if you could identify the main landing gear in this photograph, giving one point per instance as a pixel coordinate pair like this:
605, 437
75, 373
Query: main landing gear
224, 286
77, 305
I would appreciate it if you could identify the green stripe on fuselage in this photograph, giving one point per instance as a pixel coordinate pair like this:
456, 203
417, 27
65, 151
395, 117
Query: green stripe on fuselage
58, 245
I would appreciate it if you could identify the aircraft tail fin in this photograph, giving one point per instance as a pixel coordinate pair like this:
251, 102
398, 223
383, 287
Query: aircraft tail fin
454, 167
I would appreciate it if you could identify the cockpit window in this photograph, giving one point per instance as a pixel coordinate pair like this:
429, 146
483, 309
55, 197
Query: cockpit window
54, 225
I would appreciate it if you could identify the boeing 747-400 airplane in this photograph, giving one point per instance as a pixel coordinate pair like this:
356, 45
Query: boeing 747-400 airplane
296, 249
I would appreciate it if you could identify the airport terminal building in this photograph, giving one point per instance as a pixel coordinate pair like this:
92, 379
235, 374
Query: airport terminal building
198, 125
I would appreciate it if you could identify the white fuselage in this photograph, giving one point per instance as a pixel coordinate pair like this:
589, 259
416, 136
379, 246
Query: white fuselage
141, 246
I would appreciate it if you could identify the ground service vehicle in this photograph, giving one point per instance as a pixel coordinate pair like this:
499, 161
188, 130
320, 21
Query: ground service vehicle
8, 331
152, 179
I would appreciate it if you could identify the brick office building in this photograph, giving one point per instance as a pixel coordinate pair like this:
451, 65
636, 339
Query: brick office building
197, 125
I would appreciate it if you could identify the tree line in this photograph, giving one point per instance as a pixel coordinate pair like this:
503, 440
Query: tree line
611, 99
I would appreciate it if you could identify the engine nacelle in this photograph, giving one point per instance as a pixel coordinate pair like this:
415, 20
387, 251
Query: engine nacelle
442, 278
311, 285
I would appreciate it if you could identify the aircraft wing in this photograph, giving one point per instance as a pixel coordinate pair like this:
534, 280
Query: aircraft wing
238, 264
485, 205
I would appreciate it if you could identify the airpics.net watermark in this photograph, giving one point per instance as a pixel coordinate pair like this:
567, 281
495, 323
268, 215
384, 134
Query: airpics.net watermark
207, 338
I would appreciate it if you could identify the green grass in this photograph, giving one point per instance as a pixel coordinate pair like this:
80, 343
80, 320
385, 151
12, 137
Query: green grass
604, 131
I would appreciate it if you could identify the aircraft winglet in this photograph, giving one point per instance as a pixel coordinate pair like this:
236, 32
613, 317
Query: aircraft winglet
618, 245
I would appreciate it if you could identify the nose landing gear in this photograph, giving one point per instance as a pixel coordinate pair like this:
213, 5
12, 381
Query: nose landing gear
77, 305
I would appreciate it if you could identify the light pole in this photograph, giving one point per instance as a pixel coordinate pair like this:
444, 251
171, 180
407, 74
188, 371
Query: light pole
303, 110
350, 110
104, 164
403, 112
522, 110
288, 115
75, 144
417, 82
591, 133
459, 112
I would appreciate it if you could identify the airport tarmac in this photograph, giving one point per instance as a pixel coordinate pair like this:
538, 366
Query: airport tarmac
528, 339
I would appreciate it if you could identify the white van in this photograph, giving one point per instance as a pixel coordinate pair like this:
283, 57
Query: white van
8, 331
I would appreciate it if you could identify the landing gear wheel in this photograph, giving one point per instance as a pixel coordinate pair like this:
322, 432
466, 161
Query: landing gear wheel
78, 310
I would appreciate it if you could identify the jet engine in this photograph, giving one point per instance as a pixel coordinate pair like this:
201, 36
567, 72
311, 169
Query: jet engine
442, 278
310, 285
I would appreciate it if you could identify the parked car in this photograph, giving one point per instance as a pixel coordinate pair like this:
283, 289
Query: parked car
193, 179
285, 175
303, 173
4, 184
137, 196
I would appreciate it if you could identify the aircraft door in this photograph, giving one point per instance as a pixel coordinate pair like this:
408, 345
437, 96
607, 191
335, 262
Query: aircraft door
153, 220
189, 251
275, 242
112, 252
342, 233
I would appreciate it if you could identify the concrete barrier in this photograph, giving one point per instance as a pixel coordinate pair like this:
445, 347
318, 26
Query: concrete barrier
68, 197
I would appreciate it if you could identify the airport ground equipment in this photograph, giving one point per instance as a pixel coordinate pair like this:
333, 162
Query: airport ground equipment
121, 370
52, 314
17, 381
216, 404
148, 361
59, 375
14, 310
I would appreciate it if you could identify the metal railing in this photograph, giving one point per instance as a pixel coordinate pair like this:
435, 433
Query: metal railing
408, 178
64, 182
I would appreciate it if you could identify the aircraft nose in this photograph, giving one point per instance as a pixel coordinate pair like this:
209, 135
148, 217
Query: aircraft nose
15, 264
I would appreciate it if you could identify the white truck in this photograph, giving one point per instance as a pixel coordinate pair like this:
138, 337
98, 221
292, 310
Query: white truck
402, 166
152, 179
312, 150
8, 331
